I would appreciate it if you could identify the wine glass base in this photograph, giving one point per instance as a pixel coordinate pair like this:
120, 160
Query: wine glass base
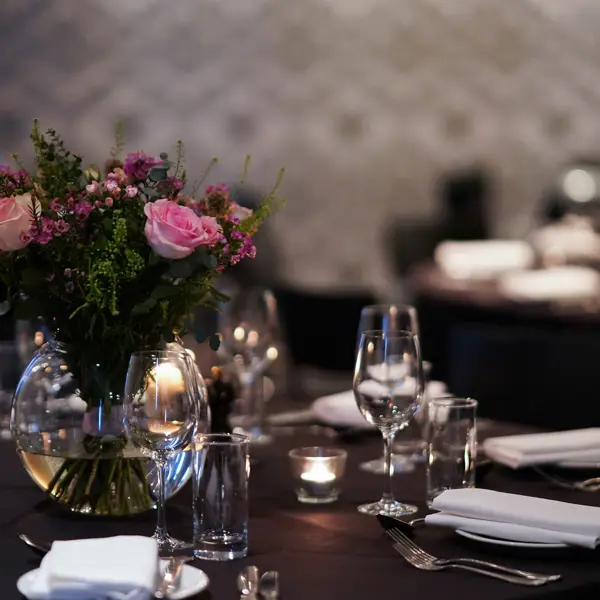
390, 508
402, 464
170, 546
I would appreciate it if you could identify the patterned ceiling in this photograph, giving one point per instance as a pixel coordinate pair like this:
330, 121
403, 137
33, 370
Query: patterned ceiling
366, 102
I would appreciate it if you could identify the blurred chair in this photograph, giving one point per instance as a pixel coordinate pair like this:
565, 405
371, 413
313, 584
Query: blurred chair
462, 215
464, 207
320, 328
537, 374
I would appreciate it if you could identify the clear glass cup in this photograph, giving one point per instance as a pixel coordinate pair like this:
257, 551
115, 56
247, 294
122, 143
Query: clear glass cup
220, 504
392, 317
162, 409
451, 445
388, 387
250, 336
317, 473
11, 368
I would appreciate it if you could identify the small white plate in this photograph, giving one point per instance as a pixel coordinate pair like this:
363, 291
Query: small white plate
192, 582
478, 537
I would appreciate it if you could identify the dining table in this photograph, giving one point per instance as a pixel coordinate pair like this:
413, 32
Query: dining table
322, 552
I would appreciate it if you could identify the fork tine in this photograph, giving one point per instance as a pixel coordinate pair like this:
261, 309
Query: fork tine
398, 539
398, 536
411, 551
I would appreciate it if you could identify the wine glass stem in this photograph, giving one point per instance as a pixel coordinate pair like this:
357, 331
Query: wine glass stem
161, 533
388, 441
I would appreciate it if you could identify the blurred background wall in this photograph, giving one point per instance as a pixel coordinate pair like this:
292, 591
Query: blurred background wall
366, 102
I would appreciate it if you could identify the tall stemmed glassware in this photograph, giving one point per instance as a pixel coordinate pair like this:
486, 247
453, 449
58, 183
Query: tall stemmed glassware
162, 406
388, 387
249, 329
388, 317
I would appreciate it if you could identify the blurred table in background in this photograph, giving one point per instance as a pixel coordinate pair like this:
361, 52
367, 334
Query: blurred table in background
530, 362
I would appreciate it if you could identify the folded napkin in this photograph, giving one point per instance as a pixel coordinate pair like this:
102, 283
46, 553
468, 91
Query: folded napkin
518, 518
485, 259
545, 448
341, 409
116, 568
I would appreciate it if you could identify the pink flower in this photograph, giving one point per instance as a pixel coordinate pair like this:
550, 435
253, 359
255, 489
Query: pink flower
109, 202
83, 209
174, 231
111, 186
62, 226
93, 188
138, 165
131, 191
240, 212
15, 221
55, 205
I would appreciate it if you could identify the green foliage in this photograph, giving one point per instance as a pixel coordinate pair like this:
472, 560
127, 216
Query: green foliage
96, 281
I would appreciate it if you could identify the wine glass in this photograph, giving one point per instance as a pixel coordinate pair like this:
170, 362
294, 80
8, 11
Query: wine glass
162, 405
388, 317
249, 329
388, 387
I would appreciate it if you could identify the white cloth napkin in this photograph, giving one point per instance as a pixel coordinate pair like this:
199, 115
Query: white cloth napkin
341, 409
485, 259
544, 448
520, 518
115, 568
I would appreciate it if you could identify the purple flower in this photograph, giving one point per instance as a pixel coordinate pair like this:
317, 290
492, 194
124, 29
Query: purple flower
175, 183
55, 205
44, 237
62, 226
26, 237
137, 165
83, 209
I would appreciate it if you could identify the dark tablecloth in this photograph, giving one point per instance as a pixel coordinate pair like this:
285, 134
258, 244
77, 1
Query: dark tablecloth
321, 552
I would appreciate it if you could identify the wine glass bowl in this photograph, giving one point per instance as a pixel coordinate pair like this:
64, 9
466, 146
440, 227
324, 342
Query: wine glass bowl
388, 317
249, 329
388, 387
163, 408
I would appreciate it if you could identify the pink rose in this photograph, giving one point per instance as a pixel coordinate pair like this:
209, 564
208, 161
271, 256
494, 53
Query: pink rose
174, 231
15, 221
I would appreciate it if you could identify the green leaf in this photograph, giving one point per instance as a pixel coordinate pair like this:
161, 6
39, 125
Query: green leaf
208, 260
214, 342
200, 334
165, 291
143, 307
31, 277
150, 192
183, 268
107, 225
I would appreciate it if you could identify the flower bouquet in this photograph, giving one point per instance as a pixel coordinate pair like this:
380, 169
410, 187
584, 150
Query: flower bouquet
112, 261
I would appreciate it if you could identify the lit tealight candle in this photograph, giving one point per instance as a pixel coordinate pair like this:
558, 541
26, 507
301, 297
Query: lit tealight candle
317, 473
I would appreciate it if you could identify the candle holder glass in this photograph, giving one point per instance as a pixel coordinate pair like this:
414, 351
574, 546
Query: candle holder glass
317, 473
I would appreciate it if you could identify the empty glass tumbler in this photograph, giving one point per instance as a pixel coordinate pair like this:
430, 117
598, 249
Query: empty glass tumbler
451, 445
221, 470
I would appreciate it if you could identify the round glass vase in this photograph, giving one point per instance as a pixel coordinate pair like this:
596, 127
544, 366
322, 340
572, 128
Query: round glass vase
73, 445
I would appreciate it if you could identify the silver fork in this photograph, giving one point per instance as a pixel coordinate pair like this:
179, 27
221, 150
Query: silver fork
420, 559
586, 485
396, 536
